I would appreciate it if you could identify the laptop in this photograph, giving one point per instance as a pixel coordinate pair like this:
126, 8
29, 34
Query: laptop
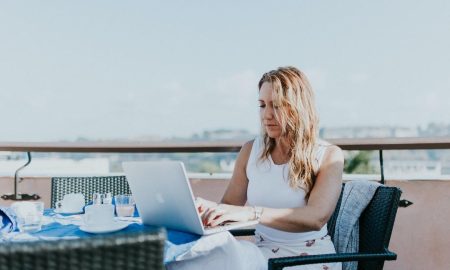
164, 197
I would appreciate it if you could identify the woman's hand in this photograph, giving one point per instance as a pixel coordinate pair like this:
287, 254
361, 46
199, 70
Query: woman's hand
221, 213
203, 205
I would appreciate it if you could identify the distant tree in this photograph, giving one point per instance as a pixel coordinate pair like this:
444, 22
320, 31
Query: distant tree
359, 163
208, 167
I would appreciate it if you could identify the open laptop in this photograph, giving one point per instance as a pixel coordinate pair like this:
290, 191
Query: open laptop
164, 197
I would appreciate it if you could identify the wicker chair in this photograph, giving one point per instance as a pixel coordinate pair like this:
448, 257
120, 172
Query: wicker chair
140, 250
376, 223
87, 186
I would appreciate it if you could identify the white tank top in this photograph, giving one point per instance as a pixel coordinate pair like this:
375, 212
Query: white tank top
269, 187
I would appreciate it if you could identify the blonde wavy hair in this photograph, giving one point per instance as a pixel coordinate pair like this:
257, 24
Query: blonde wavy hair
298, 119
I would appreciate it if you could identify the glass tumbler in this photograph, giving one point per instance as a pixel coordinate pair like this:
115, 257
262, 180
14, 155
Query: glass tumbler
29, 216
124, 205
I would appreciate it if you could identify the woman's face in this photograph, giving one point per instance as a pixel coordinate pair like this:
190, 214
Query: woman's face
267, 111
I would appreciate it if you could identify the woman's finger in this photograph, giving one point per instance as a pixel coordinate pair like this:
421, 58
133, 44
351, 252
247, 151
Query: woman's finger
206, 214
209, 215
221, 219
213, 215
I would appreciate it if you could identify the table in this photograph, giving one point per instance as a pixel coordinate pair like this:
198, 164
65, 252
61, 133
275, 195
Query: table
56, 227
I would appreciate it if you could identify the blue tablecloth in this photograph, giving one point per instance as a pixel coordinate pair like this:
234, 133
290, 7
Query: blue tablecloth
7, 222
177, 242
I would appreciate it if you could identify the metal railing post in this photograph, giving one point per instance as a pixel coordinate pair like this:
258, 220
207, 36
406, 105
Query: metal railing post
17, 196
381, 167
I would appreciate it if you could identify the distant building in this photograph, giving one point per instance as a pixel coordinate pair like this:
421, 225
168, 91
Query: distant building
224, 134
56, 167
367, 132
412, 169
405, 132
8, 155
435, 130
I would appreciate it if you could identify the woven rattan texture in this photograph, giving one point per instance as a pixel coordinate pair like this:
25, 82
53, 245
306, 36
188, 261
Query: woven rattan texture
376, 223
144, 250
88, 186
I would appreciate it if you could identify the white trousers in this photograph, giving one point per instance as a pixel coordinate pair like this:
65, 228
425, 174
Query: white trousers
222, 251
323, 245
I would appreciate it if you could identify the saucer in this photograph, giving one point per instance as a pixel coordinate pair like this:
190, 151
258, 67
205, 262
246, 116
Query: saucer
112, 227
59, 211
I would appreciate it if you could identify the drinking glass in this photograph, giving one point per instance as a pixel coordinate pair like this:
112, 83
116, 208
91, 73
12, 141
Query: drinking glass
124, 205
97, 198
29, 216
107, 198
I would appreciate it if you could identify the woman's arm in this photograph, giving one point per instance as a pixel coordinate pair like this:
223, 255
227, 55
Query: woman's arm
234, 197
236, 193
321, 204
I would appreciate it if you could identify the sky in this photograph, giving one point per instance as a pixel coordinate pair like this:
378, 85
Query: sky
128, 69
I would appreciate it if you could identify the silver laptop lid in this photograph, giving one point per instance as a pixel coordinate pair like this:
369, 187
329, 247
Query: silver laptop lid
163, 194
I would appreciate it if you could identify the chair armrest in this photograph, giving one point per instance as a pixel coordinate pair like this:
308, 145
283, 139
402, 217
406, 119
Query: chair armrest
242, 232
280, 263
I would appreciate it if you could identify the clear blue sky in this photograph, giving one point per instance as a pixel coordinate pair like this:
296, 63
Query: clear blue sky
123, 69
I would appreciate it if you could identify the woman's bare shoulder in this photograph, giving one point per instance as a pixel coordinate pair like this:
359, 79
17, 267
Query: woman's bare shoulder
333, 152
246, 149
244, 154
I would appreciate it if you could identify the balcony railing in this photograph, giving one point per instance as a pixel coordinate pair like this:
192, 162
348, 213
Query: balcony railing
379, 144
214, 146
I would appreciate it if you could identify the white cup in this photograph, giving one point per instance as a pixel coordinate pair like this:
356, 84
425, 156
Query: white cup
71, 203
98, 215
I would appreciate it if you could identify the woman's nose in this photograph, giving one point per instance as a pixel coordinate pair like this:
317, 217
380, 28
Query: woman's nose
268, 113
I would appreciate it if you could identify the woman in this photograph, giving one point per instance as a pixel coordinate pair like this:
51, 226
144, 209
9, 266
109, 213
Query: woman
289, 178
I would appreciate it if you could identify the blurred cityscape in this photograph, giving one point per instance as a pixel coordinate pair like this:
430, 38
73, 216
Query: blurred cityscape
421, 164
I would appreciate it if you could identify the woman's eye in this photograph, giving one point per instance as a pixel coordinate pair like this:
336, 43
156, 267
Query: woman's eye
262, 105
